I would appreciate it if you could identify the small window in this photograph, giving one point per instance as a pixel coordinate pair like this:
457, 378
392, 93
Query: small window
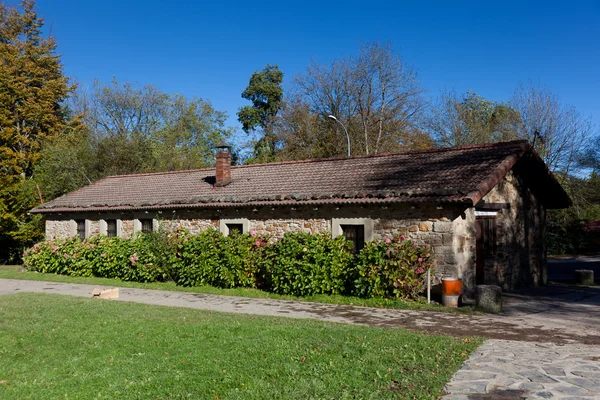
237, 225
235, 229
111, 227
146, 225
81, 229
356, 235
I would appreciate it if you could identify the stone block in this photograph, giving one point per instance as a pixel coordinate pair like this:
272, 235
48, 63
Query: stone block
107, 294
489, 298
425, 226
442, 227
584, 277
447, 239
413, 228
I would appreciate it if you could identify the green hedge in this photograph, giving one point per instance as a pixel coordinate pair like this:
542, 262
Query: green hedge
299, 264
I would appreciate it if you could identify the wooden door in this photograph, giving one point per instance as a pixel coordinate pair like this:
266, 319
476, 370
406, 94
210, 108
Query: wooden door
485, 245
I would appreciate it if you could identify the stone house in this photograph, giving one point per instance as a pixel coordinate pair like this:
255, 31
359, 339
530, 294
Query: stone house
481, 208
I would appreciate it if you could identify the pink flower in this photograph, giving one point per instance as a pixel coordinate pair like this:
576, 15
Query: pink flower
252, 233
387, 240
420, 270
258, 242
133, 258
65, 255
402, 237
420, 259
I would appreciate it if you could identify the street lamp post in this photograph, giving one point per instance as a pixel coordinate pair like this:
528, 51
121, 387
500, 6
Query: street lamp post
345, 130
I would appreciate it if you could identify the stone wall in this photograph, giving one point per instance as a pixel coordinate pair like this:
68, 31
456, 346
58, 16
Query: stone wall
58, 228
423, 224
520, 257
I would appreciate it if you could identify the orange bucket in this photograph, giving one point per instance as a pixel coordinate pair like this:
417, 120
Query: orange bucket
451, 286
451, 291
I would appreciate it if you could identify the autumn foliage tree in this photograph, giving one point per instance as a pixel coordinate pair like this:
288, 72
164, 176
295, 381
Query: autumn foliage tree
32, 89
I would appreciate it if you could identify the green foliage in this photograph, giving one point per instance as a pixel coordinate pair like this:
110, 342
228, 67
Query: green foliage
266, 94
302, 264
391, 268
137, 260
32, 90
299, 264
468, 118
209, 258
565, 227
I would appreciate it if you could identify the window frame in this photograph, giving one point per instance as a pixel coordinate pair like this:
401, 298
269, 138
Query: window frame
146, 225
336, 226
108, 223
138, 224
224, 229
79, 232
358, 240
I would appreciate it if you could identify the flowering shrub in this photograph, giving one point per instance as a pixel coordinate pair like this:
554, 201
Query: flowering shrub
299, 264
210, 258
390, 268
135, 259
302, 264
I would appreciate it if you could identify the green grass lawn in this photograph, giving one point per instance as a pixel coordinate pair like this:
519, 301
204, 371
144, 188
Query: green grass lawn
62, 347
17, 272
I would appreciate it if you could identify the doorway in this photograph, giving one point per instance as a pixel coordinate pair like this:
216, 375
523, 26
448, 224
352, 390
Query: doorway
485, 245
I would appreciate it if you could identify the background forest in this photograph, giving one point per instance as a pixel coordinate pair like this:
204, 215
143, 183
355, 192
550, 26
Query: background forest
56, 137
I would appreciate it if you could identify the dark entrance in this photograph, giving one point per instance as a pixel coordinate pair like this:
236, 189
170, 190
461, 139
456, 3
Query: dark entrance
485, 244
355, 234
235, 229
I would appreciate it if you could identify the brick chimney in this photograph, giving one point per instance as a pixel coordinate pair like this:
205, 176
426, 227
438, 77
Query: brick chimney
223, 174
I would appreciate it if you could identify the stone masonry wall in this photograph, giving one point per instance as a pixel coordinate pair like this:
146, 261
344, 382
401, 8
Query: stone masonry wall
520, 258
423, 224
58, 228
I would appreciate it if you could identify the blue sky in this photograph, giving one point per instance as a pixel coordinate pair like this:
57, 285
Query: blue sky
210, 49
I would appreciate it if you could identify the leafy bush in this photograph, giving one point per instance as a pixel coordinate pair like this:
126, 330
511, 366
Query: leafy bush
299, 264
136, 259
302, 264
210, 258
390, 268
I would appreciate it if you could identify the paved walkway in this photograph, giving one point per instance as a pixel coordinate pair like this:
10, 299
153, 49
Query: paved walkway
525, 327
549, 353
502, 369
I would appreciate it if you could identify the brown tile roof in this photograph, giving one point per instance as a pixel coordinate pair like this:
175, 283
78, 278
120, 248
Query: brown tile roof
456, 175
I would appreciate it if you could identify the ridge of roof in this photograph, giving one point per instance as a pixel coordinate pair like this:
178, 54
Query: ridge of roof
330, 159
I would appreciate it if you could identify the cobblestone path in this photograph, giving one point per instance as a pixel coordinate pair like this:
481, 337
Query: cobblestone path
506, 370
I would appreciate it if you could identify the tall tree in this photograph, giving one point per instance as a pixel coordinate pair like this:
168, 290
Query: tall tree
265, 91
131, 129
468, 118
375, 95
559, 131
32, 90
